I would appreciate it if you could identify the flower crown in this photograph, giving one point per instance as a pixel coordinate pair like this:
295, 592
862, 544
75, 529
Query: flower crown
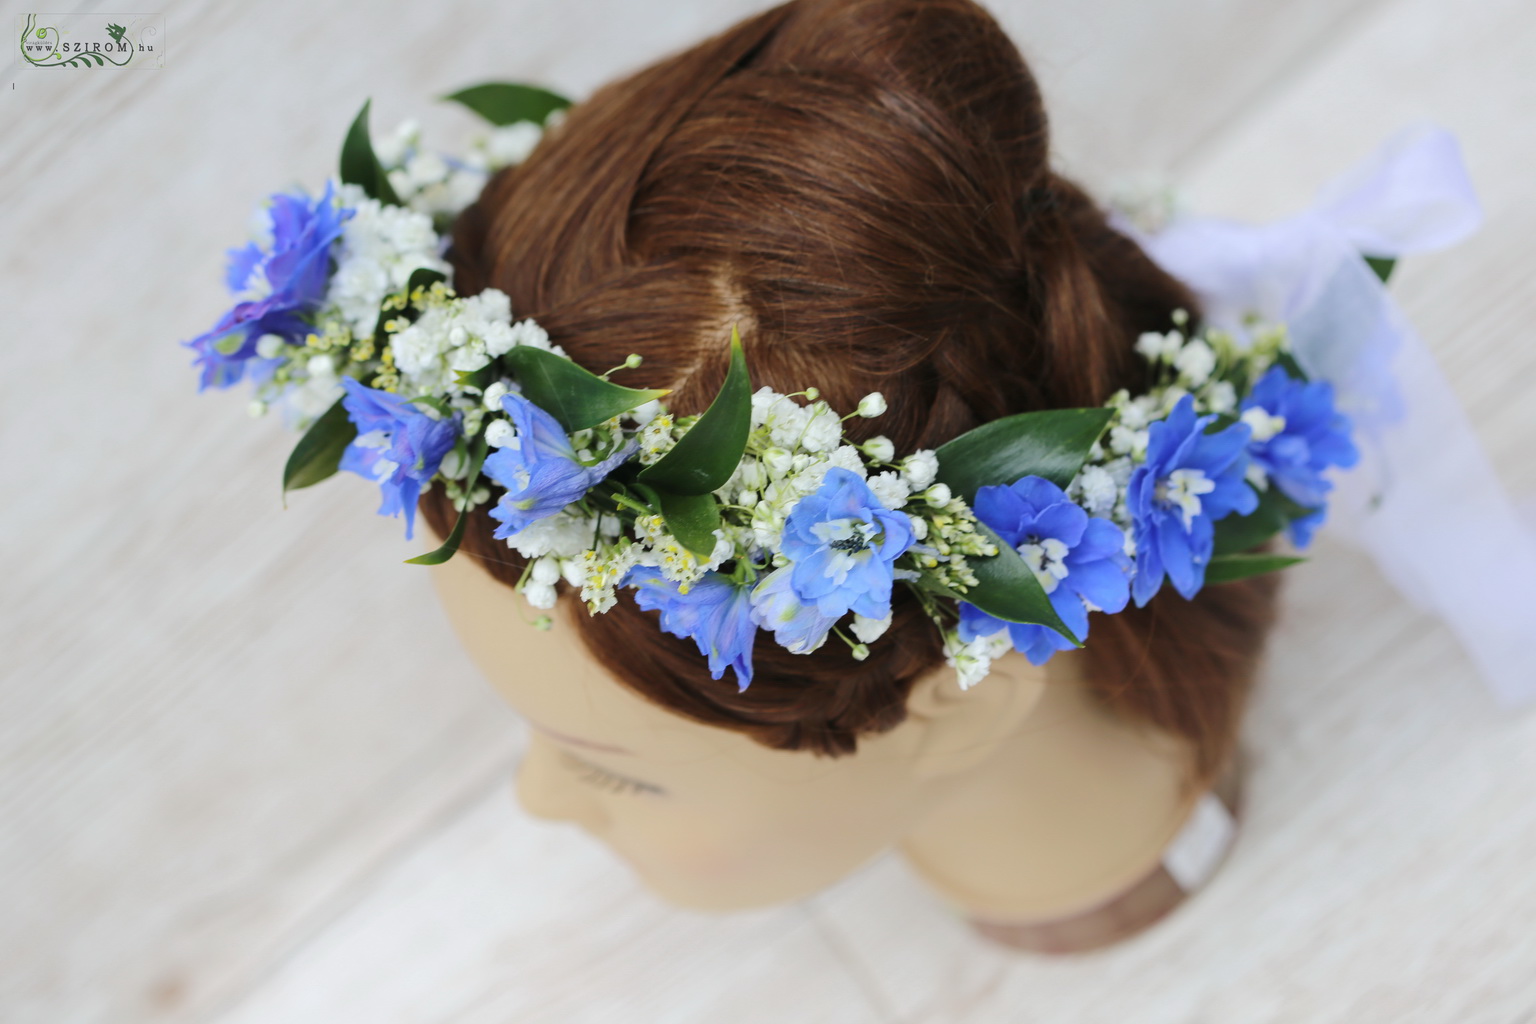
756, 514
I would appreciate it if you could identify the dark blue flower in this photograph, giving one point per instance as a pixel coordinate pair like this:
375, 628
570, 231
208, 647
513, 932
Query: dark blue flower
715, 613
539, 468
796, 625
286, 281
1189, 480
842, 542
398, 444
1314, 437
1078, 559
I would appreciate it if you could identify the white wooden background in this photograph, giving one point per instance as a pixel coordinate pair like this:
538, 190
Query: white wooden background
247, 777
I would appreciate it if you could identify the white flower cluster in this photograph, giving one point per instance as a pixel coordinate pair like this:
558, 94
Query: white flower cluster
1212, 367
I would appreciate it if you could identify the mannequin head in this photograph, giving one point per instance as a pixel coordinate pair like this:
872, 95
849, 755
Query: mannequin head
708, 817
863, 188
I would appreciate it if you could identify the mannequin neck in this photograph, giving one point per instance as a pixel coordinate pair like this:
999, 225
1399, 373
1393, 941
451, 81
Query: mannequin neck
1073, 809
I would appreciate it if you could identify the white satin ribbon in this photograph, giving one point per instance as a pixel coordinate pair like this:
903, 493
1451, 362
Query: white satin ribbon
1425, 501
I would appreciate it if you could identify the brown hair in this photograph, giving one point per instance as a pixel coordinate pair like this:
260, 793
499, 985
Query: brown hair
864, 187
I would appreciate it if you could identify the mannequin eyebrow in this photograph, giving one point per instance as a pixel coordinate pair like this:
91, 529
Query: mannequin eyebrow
606, 748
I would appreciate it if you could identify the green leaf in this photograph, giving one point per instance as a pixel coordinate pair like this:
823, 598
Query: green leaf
1236, 534
318, 453
1382, 265
692, 519
1227, 568
1052, 444
449, 546
1287, 362
1007, 588
574, 396
503, 103
359, 165
705, 457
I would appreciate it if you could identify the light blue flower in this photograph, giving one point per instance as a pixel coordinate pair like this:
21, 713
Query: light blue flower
715, 613
539, 468
796, 624
842, 542
1078, 559
1315, 437
1189, 480
398, 444
286, 282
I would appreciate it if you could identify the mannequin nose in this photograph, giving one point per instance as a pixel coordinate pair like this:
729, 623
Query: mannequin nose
546, 788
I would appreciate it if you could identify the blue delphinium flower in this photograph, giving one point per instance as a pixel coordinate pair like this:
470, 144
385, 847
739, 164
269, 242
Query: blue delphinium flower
1294, 453
398, 444
539, 468
1189, 480
1079, 560
842, 542
796, 624
279, 285
715, 613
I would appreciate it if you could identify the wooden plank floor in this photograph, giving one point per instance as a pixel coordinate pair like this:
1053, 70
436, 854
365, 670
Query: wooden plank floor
230, 793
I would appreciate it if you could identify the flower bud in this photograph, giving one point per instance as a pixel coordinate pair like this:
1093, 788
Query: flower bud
631, 361
498, 433
872, 404
879, 448
938, 494
494, 394
778, 461
811, 394
859, 652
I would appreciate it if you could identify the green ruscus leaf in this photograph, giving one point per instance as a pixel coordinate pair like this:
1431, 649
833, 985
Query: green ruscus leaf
359, 165
503, 103
1052, 444
1237, 534
1007, 588
691, 518
1227, 568
318, 453
574, 396
456, 536
705, 457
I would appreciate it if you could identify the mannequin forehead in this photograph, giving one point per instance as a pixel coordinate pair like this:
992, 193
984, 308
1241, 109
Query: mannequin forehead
550, 678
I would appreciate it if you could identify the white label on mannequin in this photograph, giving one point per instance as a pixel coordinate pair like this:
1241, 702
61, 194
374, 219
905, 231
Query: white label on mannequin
1198, 848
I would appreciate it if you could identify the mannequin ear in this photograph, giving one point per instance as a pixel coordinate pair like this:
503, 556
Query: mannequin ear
962, 728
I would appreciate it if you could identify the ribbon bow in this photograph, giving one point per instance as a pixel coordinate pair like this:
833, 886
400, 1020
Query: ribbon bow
1425, 501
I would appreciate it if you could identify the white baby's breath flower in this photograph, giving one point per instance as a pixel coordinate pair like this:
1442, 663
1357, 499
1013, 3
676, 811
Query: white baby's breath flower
847, 457
1125, 441
823, 430
1195, 362
938, 495
778, 462
564, 534
1097, 490
528, 332
510, 144
545, 570
1156, 347
1221, 397
890, 489
920, 468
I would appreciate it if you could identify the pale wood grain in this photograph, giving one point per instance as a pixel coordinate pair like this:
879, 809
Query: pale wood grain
234, 786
